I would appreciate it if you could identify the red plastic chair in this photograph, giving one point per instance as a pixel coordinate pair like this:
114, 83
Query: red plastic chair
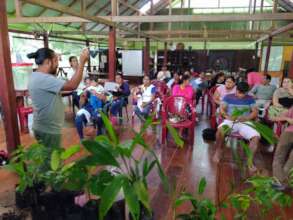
177, 105
23, 113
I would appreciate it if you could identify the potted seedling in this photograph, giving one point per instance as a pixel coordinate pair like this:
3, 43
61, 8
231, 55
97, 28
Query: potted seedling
28, 164
129, 175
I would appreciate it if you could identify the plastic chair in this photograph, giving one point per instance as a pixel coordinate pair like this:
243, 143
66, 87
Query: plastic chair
23, 113
177, 105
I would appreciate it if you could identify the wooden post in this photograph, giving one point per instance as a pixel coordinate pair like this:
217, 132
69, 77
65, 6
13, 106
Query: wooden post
146, 57
268, 55
7, 93
112, 54
165, 54
291, 68
46, 39
256, 58
112, 44
87, 44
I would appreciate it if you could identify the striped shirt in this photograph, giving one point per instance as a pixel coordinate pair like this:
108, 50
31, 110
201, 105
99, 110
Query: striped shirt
231, 102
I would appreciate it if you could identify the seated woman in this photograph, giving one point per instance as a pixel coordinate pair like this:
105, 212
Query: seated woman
89, 112
223, 90
145, 95
183, 88
120, 99
282, 98
217, 80
283, 157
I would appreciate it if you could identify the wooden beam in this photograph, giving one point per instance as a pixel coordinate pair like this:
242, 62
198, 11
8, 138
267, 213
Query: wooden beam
7, 93
281, 30
176, 32
65, 9
204, 18
98, 19
123, 2
111, 20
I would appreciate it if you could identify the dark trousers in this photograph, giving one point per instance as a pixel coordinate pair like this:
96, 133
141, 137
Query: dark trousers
81, 121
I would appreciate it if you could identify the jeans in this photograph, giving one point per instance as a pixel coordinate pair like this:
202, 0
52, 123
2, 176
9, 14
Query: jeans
142, 114
283, 157
114, 107
81, 121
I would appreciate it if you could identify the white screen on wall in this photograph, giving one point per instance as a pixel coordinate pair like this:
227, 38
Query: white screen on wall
132, 62
275, 61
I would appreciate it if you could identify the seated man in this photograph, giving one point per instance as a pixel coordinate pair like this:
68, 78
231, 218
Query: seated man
263, 93
283, 157
164, 74
144, 94
241, 101
89, 112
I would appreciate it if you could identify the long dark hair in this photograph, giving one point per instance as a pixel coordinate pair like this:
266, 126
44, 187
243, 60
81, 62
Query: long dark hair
41, 55
183, 78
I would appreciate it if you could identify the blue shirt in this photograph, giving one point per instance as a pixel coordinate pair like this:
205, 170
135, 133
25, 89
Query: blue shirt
231, 101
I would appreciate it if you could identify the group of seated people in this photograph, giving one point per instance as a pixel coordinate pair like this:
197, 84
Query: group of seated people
252, 96
91, 98
257, 96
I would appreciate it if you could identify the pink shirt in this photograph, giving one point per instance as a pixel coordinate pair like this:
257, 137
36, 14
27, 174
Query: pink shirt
223, 91
187, 92
254, 78
290, 115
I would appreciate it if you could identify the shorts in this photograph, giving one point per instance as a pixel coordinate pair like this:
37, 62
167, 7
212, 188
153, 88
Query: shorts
244, 130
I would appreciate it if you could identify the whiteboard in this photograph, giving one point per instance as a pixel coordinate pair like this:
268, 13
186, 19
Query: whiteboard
275, 61
132, 62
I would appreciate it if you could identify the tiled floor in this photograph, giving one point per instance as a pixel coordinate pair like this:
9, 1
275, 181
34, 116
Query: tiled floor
184, 167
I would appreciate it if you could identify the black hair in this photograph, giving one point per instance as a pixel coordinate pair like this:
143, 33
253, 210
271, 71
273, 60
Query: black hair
214, 80
242, 87
71, 58
232, 78
183, 78
268, 77
41, 55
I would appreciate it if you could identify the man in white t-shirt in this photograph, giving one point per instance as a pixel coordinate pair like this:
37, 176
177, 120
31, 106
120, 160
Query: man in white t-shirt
164, 74
74, 65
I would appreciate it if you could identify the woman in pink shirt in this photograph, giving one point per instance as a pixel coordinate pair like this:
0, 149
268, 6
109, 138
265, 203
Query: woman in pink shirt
283, 157
184, 88
254, 78
223, 90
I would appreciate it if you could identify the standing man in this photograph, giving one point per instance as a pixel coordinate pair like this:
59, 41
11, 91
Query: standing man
45, 90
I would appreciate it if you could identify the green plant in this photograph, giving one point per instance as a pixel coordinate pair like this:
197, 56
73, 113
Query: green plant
29, 164
261, 193
202, 209
129, 174
60, 175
